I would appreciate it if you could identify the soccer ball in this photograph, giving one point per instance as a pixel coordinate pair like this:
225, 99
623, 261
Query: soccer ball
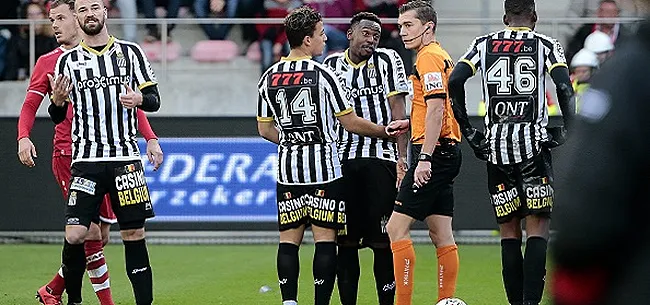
451, 301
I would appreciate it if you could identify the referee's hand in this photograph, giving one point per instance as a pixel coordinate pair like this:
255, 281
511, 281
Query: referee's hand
422, 174
130, 99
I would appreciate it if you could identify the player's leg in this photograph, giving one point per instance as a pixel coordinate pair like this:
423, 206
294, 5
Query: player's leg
131, 203
292, 217
538, 191
87, 188
324, 264
94, 247
326, 205
51, 292
379, 179
348, 239
506, 202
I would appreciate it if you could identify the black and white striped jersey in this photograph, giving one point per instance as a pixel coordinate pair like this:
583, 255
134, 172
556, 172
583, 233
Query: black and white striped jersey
513, 64
368, 85
102, 129
303, 98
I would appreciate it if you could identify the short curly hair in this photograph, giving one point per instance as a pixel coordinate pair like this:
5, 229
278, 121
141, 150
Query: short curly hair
364, 16
301, 23
519, 7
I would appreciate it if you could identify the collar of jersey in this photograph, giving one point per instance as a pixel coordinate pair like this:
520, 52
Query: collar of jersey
519, 28
356, 66
295, 58
108, 46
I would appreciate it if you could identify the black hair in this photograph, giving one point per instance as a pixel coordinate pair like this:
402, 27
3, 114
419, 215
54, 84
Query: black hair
519, 7
364, 16
301, 23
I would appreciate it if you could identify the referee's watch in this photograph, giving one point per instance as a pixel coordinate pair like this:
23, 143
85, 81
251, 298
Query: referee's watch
424, 157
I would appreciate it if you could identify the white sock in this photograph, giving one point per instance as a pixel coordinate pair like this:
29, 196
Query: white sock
289, 303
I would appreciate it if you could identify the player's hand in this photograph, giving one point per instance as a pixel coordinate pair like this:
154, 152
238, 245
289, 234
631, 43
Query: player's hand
422, 174
397, 128
155, 153
130, 99
26, 152
61, 88
478, 142
402, 167
556, 137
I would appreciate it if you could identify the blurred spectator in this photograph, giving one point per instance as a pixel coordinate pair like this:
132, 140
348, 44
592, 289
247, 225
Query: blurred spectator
589, 8
273, 40
227, 9
148, 8
617, 33
337, 37
583, 65
128, 10
600, 44
17, 57
390, 33
8, 10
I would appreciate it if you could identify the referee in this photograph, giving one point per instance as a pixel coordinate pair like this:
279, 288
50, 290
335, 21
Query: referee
101, 72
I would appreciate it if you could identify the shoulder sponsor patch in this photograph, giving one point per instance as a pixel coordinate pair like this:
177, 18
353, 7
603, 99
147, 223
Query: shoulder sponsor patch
433, 81
83, 185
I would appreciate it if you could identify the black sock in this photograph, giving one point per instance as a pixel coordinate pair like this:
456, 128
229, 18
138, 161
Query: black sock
139, 271
512, 263
348, 272
534, 269
74, 266
324, 270
288, 265
384, 276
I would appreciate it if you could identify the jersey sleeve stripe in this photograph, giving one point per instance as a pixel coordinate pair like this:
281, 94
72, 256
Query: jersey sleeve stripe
344, 112
36, 92
555, 65
264, 119
146, 84
389, 65
470, 64
397, 92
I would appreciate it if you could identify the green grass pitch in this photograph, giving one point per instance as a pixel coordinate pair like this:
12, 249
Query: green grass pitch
225, 274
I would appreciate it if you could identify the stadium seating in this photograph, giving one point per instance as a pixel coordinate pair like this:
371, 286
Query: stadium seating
214, 51
154, 51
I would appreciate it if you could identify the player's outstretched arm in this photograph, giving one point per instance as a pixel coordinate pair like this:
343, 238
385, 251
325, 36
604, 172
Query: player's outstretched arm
459, 76
268, 131
353, 123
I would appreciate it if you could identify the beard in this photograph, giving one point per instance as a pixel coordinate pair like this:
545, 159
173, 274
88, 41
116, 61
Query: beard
92, 30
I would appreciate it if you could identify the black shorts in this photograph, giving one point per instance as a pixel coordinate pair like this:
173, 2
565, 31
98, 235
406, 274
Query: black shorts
522, 189
437, 196
322, 205
370, 196
126, 185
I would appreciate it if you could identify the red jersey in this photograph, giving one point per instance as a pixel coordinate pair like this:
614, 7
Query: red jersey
39, 86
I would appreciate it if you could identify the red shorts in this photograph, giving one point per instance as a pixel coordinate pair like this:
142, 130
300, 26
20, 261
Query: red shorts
61, 169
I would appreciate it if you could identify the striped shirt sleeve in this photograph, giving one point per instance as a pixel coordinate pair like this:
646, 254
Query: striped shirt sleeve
555, 56
472, 56
398, 82
338, 99
142, 71
264, 112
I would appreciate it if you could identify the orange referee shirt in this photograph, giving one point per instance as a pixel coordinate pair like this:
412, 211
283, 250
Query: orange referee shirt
430, 78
